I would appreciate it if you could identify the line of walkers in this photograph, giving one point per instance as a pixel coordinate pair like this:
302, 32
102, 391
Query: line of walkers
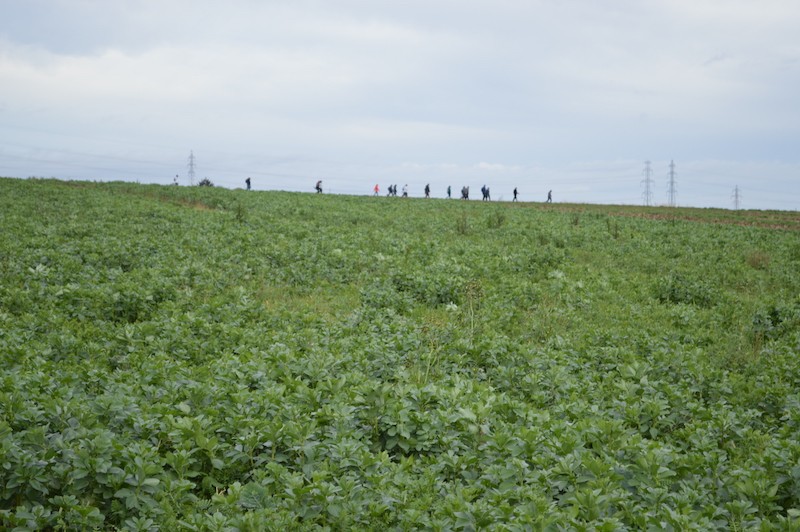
393, 191
486, 193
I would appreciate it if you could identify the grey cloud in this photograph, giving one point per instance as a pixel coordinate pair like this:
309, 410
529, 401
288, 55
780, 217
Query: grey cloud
352, 89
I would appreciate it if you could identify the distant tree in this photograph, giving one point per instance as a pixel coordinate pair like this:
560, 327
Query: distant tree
205, 182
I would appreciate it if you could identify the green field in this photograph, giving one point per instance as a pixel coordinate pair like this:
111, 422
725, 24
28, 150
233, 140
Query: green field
180, 358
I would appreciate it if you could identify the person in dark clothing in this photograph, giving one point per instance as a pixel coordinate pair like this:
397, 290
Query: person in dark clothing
515, 194
549, 196
448, 191
247, 182
318, 187
428, 191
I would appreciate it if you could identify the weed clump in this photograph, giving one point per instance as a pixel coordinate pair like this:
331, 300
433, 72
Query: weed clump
462, 225
240, 213
676, 288
495, 220
758, 260
775, 321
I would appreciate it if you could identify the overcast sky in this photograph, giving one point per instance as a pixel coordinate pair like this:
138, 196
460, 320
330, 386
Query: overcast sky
568, 95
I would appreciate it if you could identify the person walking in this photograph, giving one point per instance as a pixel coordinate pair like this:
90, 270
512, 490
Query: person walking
405, 190
515, 194
549, 196
428, 190
247, 182
448, 191
318, 187
377, 189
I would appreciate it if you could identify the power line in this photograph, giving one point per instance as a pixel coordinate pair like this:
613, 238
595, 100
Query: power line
647, 181
671, 187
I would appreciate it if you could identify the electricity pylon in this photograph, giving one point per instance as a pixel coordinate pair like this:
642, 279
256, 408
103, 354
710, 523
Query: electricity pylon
672, 189
191, 167
647, 182
737, 198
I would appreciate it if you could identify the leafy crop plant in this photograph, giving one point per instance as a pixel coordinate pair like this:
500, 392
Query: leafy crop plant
196, 358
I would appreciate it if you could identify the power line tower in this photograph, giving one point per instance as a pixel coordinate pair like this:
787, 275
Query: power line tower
672, 191
737, 198
647, 182
191, 167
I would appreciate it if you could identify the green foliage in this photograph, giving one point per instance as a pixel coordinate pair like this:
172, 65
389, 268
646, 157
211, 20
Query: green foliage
758, 260
776, 321
677, 288
496, 219
195, 358
462, 224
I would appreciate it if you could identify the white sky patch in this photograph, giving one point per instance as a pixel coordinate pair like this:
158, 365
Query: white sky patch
497, 167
